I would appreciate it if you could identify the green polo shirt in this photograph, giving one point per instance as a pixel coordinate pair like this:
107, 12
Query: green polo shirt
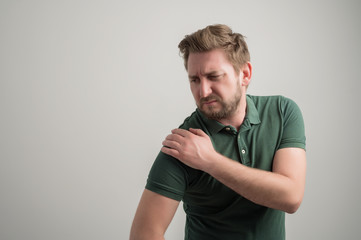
213, 210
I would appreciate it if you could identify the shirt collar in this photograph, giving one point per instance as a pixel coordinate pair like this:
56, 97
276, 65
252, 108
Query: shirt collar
252, 112
214, 126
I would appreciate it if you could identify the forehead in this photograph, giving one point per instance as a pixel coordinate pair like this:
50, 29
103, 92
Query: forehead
205, 62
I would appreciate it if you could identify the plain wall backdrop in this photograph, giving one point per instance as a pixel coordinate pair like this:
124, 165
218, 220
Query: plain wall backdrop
89, 89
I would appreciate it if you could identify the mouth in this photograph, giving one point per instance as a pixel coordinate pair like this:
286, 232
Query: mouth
210, 102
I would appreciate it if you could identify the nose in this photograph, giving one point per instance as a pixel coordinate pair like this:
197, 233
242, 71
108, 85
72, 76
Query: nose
205, 88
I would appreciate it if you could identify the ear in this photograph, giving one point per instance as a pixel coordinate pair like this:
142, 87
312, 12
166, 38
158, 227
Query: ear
246, 74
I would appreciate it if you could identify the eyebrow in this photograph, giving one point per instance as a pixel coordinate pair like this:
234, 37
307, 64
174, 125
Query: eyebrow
216, 72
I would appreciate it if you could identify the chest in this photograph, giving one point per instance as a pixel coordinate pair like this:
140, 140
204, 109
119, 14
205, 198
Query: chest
253, 147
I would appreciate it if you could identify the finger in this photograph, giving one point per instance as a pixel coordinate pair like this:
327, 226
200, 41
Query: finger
175, 137
171, 144
172, 152
198, 132
181, 132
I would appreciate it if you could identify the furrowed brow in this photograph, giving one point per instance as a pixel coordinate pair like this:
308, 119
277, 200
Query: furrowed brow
215, 72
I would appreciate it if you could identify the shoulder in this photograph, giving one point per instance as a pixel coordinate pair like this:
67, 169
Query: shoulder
193, 121
280, 114
280, 102
268, 99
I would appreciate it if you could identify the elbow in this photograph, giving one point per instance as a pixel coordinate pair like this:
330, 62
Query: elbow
292, 208
293, 205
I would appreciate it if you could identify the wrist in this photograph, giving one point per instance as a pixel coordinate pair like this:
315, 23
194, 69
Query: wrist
212, 163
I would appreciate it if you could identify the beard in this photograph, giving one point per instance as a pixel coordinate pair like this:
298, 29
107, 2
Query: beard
227, 108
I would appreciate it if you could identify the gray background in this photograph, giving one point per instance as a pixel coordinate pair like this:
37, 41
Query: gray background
89, 89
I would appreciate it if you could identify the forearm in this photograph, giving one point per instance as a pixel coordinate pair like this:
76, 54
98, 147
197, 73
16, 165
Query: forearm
265, 188
280, 189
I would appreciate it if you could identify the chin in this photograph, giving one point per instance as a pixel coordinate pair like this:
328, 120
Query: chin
212, 114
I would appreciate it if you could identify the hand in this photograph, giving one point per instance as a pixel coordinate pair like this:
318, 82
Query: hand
194, 147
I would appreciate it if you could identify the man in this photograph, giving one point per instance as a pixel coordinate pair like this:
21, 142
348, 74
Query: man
238, 162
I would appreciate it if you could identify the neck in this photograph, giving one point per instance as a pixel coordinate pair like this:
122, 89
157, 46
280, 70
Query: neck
237, 118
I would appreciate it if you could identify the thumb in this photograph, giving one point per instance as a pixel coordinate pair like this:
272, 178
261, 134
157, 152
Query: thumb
198, 132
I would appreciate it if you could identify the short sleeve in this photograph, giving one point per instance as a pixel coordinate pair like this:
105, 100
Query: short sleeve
293, 134
168, 177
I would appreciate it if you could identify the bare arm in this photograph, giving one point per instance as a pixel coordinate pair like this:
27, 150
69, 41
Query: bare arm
153, 215
281, 189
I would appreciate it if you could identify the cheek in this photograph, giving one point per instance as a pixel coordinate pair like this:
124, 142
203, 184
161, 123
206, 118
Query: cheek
195, 93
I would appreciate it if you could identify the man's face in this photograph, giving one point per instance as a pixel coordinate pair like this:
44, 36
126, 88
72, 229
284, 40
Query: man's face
214, 84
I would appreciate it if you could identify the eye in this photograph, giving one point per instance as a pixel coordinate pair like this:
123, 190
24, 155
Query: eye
214, 77
193, 80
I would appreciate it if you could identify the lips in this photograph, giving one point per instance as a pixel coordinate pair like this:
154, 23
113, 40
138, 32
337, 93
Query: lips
210, 102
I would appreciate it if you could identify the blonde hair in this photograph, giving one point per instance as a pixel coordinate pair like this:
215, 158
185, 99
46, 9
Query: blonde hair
217, 36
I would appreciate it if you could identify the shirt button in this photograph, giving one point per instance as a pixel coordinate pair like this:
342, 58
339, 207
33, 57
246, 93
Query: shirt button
228, 129
243, 151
